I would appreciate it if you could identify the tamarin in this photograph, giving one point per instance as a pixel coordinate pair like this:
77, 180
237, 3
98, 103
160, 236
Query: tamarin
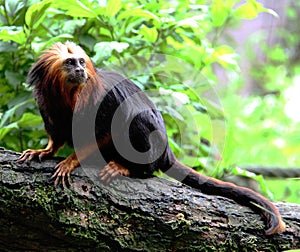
127, 128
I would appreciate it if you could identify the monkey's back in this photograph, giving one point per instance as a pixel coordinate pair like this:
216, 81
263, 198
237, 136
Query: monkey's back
138, 135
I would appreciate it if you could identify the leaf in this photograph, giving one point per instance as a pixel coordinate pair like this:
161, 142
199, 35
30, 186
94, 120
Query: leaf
12, 33
174, 146
13, 7
6, 47
138, 12
38, 46
219, 12
29, 120
75, 8
191, 161
190, 22
9, 113
104, 50
249, 10
14, 78
5, 130
36, 13
149, 34
113, 7
224, 55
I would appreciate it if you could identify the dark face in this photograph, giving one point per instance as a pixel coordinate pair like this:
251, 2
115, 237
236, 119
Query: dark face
75, 70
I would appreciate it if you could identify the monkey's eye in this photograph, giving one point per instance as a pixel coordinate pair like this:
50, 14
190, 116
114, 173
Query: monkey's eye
68, 61
82, 62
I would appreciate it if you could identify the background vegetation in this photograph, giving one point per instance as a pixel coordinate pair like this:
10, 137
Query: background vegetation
170, 49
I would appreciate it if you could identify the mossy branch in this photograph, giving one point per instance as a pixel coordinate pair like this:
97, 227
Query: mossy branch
128, 215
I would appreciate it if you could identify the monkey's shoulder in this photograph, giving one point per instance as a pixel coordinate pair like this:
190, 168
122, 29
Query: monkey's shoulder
113, 80
124, 101
123, 93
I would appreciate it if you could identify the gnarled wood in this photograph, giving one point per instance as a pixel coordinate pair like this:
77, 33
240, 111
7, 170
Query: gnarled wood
128, 215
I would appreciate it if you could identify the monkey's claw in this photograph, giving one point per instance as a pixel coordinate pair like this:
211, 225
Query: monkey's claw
111, 170
62, 173
64, 169
29, 155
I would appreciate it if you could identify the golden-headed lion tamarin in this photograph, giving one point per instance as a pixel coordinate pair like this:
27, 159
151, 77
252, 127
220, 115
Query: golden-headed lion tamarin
68, 89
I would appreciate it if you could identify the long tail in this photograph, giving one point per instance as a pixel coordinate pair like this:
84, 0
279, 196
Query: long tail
241, 195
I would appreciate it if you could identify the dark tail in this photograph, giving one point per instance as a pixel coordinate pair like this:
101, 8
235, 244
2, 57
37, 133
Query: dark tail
241, 195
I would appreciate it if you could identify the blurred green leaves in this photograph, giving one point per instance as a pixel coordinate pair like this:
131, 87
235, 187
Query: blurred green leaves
113, 7
36, 14
13, 34
75, 8
128, 34
251, 9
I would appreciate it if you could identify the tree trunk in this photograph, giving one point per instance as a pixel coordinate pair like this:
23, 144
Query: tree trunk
127, 215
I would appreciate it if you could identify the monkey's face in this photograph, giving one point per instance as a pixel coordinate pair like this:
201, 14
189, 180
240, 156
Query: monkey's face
74, 70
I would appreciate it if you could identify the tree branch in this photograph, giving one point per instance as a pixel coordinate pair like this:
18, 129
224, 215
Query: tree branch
127, 215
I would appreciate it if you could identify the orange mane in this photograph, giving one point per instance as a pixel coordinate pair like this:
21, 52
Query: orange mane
50, 81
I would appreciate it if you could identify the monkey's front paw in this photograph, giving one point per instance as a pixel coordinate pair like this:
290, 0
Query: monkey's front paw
29, 154
63, 172
111, 170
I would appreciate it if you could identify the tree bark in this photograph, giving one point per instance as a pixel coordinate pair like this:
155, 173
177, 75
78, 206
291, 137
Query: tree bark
128, 215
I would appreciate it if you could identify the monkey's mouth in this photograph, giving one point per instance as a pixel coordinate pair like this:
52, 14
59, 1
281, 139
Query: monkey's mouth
78, 78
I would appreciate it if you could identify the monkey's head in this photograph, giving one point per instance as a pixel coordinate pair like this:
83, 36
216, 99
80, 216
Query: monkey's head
62, 73
61, 65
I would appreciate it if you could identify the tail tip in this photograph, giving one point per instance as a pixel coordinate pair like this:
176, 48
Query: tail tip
277, 228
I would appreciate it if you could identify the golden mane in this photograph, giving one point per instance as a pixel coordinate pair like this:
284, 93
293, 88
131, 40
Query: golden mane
49, 79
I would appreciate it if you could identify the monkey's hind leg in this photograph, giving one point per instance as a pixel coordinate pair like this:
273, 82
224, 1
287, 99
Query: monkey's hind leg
29, 154
111, 170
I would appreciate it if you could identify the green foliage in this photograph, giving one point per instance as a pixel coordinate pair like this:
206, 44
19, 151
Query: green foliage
138, 38
110, 32
264, 130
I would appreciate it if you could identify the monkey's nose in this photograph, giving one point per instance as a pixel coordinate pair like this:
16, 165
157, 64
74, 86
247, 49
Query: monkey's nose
79, 70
